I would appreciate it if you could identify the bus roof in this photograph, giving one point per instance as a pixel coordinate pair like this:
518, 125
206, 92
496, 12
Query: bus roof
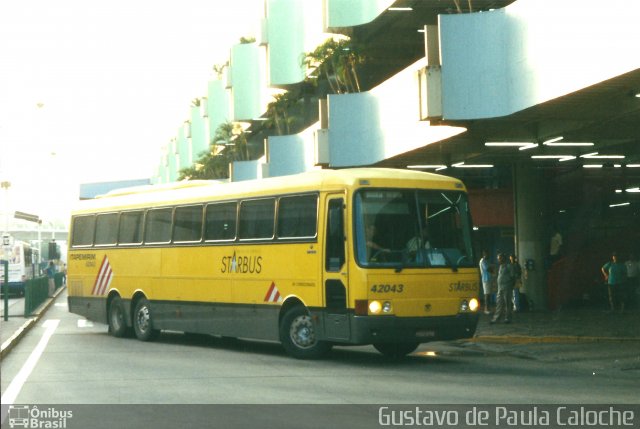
199, 191
159, 188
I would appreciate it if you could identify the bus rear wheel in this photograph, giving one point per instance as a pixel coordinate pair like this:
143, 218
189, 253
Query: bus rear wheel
143, 322
117, 323
396, 350
298, 335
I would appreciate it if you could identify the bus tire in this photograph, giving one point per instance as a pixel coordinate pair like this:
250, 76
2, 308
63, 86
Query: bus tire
298, 336
117, 323
396, 350
143, 321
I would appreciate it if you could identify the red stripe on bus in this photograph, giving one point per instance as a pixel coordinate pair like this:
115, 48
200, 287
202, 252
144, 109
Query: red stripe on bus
267, 297
95, 284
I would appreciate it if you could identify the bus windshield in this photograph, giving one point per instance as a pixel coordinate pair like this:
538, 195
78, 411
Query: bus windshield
398, 228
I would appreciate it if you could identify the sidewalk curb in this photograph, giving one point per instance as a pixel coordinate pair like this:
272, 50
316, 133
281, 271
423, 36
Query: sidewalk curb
569, 339
9, 344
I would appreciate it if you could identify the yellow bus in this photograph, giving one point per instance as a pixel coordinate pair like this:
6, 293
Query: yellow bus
329, 257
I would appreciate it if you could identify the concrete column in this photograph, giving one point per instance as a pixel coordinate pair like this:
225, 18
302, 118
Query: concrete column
531, 218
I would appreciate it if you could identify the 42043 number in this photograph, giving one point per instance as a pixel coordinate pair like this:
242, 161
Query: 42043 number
387, 288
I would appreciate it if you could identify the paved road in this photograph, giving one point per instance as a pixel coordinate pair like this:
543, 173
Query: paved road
79, 363
15, 306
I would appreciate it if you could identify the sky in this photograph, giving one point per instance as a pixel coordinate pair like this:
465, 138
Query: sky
90, 90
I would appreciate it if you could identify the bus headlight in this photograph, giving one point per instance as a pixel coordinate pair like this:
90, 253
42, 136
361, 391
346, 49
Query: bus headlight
470, 305
375, 307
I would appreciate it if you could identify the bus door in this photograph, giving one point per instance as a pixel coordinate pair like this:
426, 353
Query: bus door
335, 273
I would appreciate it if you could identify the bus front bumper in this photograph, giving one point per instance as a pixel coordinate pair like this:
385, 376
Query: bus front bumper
381, 329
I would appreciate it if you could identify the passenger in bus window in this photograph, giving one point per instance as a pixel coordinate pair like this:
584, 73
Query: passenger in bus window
419, 242
373, 248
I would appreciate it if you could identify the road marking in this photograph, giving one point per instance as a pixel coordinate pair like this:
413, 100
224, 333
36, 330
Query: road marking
10, 395
84, 323
60, 304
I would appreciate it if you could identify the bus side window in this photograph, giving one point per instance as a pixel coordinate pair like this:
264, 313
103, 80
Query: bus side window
130, 228
297, 216
187, 225
335, 256
158, 226
83, 230
221, 221
257, 219
107, 229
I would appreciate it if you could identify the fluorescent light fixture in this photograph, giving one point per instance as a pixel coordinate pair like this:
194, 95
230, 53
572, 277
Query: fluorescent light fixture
475, 228
428, 167
529, 146
560, 158
507, 144
556, 142
400, 9
421, 30
520, 145
637, 95
569, 144
594, 155
620, 205
592, 166
629, 190
463, 165
553, 140
633, 165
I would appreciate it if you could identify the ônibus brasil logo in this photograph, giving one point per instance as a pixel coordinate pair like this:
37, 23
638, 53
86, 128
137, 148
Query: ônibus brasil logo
26, 416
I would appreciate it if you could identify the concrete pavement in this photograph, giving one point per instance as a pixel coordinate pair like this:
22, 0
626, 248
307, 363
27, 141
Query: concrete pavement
586, 324
12, 330
566, 326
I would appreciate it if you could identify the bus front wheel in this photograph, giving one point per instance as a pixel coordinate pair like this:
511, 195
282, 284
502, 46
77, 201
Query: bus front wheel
143, 322
117, 324
396, 350
298, 335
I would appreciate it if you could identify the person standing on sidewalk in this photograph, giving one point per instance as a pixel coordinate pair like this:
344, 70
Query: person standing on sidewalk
51, 273
615, 274
633, 280
485, 274
555, 247
506, 281
517, 282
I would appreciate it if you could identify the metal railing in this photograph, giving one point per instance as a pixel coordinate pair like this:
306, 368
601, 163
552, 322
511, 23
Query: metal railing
36, 291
